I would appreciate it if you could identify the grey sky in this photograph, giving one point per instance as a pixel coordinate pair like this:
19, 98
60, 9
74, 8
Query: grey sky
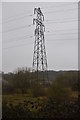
61, 35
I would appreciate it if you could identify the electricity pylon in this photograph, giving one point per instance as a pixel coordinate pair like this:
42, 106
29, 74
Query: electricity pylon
39, 55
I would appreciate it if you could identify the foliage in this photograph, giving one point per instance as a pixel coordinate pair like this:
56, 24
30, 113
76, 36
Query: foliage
59, 94
13, 112
31, 99
57, 109
38, 90
32, 107
60, 90
23, 79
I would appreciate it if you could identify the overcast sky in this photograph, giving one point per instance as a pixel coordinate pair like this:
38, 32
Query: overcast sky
61, 35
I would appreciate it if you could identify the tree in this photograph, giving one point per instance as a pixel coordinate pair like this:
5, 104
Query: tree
21, 80
60, 90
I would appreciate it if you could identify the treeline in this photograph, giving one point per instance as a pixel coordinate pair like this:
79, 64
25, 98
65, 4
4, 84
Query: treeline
18, 81
24, 81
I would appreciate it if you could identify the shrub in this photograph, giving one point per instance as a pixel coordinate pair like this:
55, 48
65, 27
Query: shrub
38, 91
59, 93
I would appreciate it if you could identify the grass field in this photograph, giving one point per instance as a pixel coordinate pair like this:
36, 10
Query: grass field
25, 105
32, 103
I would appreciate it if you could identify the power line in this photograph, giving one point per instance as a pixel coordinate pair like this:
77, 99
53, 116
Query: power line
23, 13
30, 15
61, 10
21, 27
17, 15
19, 18
61, 22
61, 19
64, 30
62, 33
19, 39
17, 46
24, 37
46, 20
30, 36
50, 40
61, 5
17, 28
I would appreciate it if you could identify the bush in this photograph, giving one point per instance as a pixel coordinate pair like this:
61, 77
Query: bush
56, 109
59, 93
15, 112
38, 91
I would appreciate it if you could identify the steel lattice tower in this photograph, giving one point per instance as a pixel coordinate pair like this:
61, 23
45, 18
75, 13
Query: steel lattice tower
39, 56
